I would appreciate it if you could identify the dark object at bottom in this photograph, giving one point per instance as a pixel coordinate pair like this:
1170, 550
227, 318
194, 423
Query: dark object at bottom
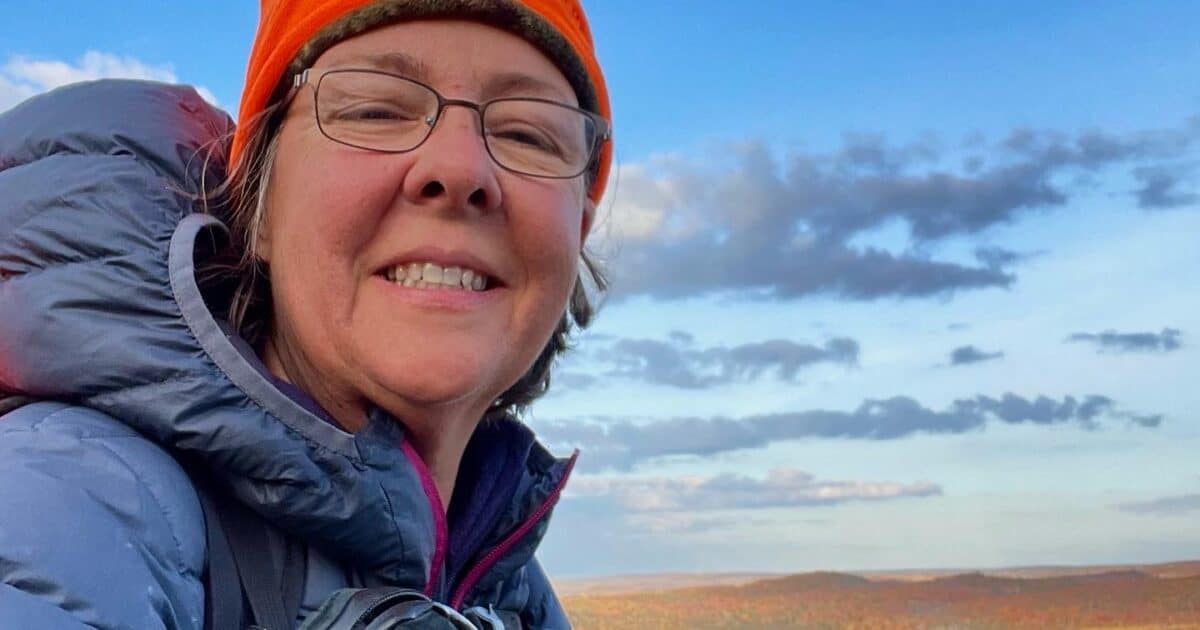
391, 608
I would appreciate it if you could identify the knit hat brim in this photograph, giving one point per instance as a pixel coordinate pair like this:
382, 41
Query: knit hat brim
293, 34
503, 15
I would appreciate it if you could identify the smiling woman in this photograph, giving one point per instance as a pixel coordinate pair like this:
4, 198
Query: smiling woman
332, 232
311, 388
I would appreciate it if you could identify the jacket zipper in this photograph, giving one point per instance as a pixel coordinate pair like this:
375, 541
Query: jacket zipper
442, 531
497, 552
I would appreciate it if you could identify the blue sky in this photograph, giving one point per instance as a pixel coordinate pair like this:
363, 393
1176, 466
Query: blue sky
818, 207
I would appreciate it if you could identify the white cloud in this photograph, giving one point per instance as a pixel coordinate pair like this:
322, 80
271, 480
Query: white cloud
49, 74
22, 77
12, 92
653, 200
676, 523
638, 202
780, 488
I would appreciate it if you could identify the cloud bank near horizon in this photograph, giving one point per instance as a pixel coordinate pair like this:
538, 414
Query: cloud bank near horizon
780, 488
679, 362
1164, 506
625, 444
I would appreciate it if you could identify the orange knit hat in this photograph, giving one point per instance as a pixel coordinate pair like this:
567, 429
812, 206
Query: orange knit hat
293, 33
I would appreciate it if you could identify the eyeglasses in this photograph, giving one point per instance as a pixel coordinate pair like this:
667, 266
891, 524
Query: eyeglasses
380, 111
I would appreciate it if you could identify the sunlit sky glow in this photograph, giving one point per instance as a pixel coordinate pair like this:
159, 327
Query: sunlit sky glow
896, 284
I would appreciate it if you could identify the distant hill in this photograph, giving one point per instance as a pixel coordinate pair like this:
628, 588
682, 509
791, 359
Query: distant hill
634, 583
819, 581
1173, 569
1168, 569
1151, 596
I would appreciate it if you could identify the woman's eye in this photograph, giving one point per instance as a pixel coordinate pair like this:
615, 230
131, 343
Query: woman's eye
373, 114
377, 112
526, 137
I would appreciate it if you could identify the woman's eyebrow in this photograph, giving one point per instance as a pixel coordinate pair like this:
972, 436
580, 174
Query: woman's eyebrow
395, 62
516, 83
498, 85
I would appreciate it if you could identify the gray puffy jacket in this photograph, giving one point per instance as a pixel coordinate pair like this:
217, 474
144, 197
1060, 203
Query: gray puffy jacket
102, 321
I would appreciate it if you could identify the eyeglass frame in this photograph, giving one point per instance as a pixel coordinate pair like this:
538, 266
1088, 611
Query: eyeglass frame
603, 126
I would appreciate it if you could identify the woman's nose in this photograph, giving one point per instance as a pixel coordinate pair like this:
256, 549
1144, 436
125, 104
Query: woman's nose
453, 165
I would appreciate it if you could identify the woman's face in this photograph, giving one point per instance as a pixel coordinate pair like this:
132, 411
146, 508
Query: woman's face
340, 218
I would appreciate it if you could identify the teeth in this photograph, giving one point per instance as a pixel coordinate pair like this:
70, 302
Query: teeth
433, 276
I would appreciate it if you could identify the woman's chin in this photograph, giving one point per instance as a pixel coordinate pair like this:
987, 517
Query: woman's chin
437, 389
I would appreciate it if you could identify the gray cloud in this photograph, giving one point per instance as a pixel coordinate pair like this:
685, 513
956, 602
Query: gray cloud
1165, 341
997, 258
622, 444
1165, 506
679, 336
781, 488
1160, 188
772, 228
966, 355
678, 363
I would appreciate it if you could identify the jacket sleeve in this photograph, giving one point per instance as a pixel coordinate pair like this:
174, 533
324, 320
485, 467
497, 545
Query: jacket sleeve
99, 527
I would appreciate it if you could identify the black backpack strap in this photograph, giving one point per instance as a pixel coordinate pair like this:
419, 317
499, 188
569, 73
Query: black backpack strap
261, 575
242, 562
222, 587
295, 568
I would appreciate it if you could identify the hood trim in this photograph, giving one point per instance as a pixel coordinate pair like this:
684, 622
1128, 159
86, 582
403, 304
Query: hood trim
215, 342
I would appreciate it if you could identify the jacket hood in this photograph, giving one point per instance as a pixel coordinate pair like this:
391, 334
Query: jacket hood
99, 231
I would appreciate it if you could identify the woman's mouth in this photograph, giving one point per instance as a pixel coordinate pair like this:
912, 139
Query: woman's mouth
427, 275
